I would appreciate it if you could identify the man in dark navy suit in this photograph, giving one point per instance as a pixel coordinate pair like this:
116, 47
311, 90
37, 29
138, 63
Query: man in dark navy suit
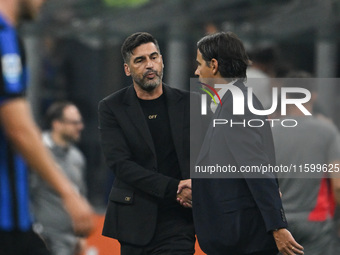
238, 213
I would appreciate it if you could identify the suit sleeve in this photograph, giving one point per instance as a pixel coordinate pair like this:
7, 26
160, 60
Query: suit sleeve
120, 159
249, 149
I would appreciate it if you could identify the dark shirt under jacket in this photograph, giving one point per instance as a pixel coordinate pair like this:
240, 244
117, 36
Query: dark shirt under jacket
157, 118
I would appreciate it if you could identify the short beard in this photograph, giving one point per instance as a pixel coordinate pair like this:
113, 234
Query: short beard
148, 86
70, 139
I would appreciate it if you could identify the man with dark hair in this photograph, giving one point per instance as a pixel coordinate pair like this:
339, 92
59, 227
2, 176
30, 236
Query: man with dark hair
65, 125
134, 41
56, 112
231, 57
21, 143
145, 138
239, 213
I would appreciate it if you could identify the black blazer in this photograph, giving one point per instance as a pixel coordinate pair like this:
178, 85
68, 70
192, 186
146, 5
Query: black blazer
237, 214
129, 151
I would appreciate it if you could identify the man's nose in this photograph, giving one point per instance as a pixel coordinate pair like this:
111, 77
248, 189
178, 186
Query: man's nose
149, 63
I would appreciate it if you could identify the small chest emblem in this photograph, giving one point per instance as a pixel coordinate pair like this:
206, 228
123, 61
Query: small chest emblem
154, 116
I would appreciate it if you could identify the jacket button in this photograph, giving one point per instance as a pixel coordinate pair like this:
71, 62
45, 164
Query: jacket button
283, 215
127, 199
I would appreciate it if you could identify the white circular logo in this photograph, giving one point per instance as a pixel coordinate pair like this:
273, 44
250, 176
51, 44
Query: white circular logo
11, 67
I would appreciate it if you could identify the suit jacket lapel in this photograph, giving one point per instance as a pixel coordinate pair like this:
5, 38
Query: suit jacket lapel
135, 112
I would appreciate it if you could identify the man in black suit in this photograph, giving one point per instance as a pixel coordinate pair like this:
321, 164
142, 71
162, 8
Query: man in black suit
237, 213
145, 138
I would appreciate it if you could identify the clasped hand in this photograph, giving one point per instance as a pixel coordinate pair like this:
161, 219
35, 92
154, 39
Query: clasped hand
184, 195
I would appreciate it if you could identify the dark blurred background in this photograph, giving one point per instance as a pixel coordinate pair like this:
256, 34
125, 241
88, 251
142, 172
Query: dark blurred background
74, 51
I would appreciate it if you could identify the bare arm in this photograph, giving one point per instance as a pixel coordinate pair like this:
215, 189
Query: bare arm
24, 135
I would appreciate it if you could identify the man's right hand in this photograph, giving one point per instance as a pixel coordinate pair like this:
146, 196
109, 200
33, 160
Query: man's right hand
184, 195
80, 212
185, 198
286, 243
184, 184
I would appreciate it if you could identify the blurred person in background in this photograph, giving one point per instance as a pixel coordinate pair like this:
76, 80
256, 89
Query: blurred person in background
21, 144
309, 201
53, 222
265, 65
264, 60
145, 139
258, 75
210, 28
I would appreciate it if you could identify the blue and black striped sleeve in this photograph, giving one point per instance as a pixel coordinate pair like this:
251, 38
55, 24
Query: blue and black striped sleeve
12, 65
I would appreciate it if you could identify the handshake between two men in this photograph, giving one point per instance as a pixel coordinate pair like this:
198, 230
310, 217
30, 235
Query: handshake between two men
184, 194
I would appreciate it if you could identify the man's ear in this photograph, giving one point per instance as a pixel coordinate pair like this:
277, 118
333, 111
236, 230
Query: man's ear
214, 66
127, 69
